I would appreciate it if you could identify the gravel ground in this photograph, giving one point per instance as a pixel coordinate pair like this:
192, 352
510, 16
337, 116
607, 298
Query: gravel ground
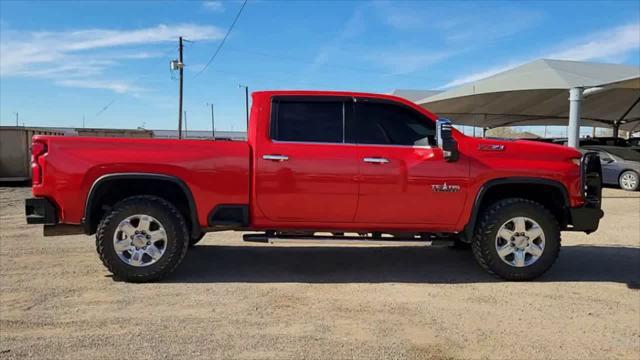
234, 300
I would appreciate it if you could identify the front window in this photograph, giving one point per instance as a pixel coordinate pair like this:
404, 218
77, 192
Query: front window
385, 123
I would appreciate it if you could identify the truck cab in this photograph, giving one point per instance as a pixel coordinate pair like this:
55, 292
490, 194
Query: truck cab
335, 163
326, 161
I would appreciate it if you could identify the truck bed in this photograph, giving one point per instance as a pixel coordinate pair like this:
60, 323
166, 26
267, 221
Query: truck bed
216, 172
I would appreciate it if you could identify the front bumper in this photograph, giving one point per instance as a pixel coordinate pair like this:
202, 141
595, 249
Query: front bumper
587, 218
40, 211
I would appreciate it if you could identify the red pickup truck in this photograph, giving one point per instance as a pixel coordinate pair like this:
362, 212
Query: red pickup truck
319, 166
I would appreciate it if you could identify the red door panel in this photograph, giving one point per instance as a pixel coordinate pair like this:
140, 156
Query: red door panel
397, 188
316, 182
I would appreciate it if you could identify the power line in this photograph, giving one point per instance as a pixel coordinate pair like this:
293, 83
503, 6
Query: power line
223, 39
107, 106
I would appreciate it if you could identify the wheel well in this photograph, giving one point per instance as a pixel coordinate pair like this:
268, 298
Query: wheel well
105, 194
548, 193
552, 197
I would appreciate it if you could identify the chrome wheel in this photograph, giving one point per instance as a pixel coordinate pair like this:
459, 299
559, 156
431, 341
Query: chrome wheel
520, 242
629, 181
140, 240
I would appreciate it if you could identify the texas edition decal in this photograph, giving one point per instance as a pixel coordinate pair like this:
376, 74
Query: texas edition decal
445, 188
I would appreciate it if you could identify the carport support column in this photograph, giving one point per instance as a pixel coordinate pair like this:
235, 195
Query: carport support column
575, 97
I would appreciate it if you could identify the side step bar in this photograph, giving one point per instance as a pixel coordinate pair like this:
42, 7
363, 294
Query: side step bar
345, 240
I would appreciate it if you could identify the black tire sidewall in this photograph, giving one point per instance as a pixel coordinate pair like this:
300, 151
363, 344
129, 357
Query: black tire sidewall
501, 213
163, 212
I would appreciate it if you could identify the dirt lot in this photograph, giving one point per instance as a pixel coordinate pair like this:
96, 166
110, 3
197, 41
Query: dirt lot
234, 300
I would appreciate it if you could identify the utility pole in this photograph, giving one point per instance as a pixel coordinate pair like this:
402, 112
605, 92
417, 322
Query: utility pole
17, 117
83, 121
246, 102
179, 65
185, 125
213, 127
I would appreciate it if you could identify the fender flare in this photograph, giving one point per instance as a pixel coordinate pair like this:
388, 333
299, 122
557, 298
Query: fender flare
468, 229
86, 223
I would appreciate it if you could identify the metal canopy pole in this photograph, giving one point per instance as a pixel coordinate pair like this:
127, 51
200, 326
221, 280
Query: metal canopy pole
616, 124
573, 132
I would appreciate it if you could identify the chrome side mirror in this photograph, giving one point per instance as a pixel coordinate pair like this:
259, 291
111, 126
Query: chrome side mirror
444, 136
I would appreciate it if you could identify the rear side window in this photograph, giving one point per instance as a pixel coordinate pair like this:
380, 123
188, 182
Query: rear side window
389, 124
307, 121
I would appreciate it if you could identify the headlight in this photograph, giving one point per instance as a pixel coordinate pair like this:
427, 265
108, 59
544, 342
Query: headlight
576, 161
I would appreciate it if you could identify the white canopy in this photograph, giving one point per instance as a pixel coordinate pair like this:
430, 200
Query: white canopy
415, 95
537, 94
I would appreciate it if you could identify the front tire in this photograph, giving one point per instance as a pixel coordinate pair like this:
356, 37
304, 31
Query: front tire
516, 239
143, 238
629, 180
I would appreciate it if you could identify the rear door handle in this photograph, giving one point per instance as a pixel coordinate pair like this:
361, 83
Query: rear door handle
375, 160
275, 157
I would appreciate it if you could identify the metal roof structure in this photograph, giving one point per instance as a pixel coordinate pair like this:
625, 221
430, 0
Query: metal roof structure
537, 93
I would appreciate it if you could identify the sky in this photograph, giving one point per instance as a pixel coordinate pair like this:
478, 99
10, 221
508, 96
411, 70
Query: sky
108, 62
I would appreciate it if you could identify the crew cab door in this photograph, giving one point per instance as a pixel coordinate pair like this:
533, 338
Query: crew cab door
402, 172
305, 172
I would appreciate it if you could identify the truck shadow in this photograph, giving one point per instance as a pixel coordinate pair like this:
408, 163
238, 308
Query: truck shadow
274, 264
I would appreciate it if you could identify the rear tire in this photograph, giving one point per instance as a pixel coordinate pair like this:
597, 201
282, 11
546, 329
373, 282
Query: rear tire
629, 180
516, 239
138, 222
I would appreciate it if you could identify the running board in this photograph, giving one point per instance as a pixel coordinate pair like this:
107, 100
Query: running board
344, 240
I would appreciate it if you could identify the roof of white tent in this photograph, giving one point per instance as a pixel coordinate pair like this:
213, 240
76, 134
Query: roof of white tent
414, 95
537, 94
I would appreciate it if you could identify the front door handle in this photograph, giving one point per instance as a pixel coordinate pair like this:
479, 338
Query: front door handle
275, 157
375, 160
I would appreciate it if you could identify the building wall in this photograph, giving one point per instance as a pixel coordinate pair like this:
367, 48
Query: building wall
15, 151
115, 133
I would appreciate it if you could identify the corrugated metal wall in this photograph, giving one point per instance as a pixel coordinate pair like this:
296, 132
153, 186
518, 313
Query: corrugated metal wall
15, 151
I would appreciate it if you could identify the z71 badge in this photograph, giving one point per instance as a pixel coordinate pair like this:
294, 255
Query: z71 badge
491, 147
445, 188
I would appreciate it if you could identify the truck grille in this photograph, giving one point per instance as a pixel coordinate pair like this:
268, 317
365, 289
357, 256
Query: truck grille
591, 174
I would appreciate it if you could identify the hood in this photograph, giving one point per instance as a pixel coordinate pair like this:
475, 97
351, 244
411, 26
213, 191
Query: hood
525, 149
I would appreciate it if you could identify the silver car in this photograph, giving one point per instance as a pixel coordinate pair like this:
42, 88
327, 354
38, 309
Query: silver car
620, 165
